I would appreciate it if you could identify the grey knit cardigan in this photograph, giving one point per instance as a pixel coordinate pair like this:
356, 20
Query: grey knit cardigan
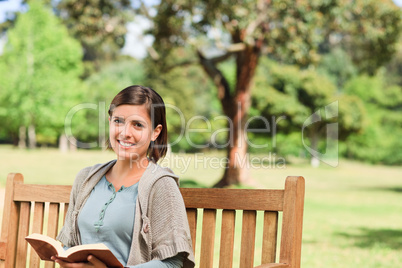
161, 228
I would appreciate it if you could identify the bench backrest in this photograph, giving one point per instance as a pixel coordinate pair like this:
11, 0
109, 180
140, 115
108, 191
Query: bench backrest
32, 208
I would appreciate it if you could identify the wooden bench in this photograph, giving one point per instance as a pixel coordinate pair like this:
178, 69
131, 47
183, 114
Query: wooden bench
32, 208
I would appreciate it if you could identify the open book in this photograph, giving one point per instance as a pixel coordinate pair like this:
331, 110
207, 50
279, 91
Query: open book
46, 247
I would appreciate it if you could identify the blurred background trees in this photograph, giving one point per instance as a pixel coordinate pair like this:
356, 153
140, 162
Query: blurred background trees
289, 32
265, 59
39, 77
99, 25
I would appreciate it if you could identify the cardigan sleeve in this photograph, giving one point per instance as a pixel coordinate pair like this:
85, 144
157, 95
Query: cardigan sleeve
169, 229
174, 262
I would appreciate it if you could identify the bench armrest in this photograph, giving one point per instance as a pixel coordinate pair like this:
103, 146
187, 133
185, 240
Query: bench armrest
273, 265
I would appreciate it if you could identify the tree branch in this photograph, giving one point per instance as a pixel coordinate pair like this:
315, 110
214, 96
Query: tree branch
144, 10
229, 52
262, 6
217, 77
181, 64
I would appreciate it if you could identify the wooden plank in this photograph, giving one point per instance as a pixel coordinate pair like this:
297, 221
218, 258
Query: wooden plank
232, 199
9, 228
292, 222
52, 224
274, 265
269, 237
42, 193
227, 238
65, 212
37, 227
23, 231
192, 222
248, 239
208, 238
53, 219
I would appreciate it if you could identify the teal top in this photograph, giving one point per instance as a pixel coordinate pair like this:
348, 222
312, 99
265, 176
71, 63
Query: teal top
108, 217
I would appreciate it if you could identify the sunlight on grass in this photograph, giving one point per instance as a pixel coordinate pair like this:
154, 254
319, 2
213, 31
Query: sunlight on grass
352, 216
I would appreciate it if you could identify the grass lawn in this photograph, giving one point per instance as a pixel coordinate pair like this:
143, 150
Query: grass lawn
353, 213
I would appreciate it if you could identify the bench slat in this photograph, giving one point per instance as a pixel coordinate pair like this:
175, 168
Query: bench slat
227, 238
23, 231
192, 222
241, 199
269, 237
42, 193
53, 221
65, 212
9, 228
292, 220
208, 238
37, 227
248, 238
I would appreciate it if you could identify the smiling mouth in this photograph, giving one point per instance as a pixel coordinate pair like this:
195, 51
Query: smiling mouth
126, 144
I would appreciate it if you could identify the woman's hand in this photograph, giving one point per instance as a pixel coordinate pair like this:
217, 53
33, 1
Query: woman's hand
93, 262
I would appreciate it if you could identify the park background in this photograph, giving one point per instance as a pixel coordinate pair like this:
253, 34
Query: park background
288, 59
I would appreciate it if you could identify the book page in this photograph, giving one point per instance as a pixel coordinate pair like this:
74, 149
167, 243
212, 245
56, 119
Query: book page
45, 246
70, 251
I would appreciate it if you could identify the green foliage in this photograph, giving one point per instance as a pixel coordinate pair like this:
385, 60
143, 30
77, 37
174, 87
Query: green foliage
373, 33
100, 26
338, 66
39, 72
290, 96
393, 69
380, 141
289, 31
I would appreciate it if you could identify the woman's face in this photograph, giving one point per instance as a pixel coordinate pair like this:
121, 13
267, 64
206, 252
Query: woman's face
130, 132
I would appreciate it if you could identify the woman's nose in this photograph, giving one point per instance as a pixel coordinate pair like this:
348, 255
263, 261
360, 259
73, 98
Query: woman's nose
125, 132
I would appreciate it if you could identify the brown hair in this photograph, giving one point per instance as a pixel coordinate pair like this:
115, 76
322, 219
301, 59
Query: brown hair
139, 95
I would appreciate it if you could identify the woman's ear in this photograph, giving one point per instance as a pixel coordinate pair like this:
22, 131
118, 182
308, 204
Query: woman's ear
156, 132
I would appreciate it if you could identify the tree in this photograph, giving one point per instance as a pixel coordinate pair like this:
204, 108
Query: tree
307, 103
100, 26
288, 31
371, 40
39, 76
380, 141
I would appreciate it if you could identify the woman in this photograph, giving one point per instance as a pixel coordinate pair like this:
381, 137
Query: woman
131, 204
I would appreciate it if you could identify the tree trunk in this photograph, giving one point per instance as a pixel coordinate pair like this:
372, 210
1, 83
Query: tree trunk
63, 143
22, 143
31, 137
72, 146
237, 169
235, 105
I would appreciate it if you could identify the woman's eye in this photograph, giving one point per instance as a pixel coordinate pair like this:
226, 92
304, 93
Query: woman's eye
138, 125
117, 121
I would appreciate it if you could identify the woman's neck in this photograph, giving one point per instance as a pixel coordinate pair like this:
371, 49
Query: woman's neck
126, 172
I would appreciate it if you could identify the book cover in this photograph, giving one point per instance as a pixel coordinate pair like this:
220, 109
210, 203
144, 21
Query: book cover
46, 247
